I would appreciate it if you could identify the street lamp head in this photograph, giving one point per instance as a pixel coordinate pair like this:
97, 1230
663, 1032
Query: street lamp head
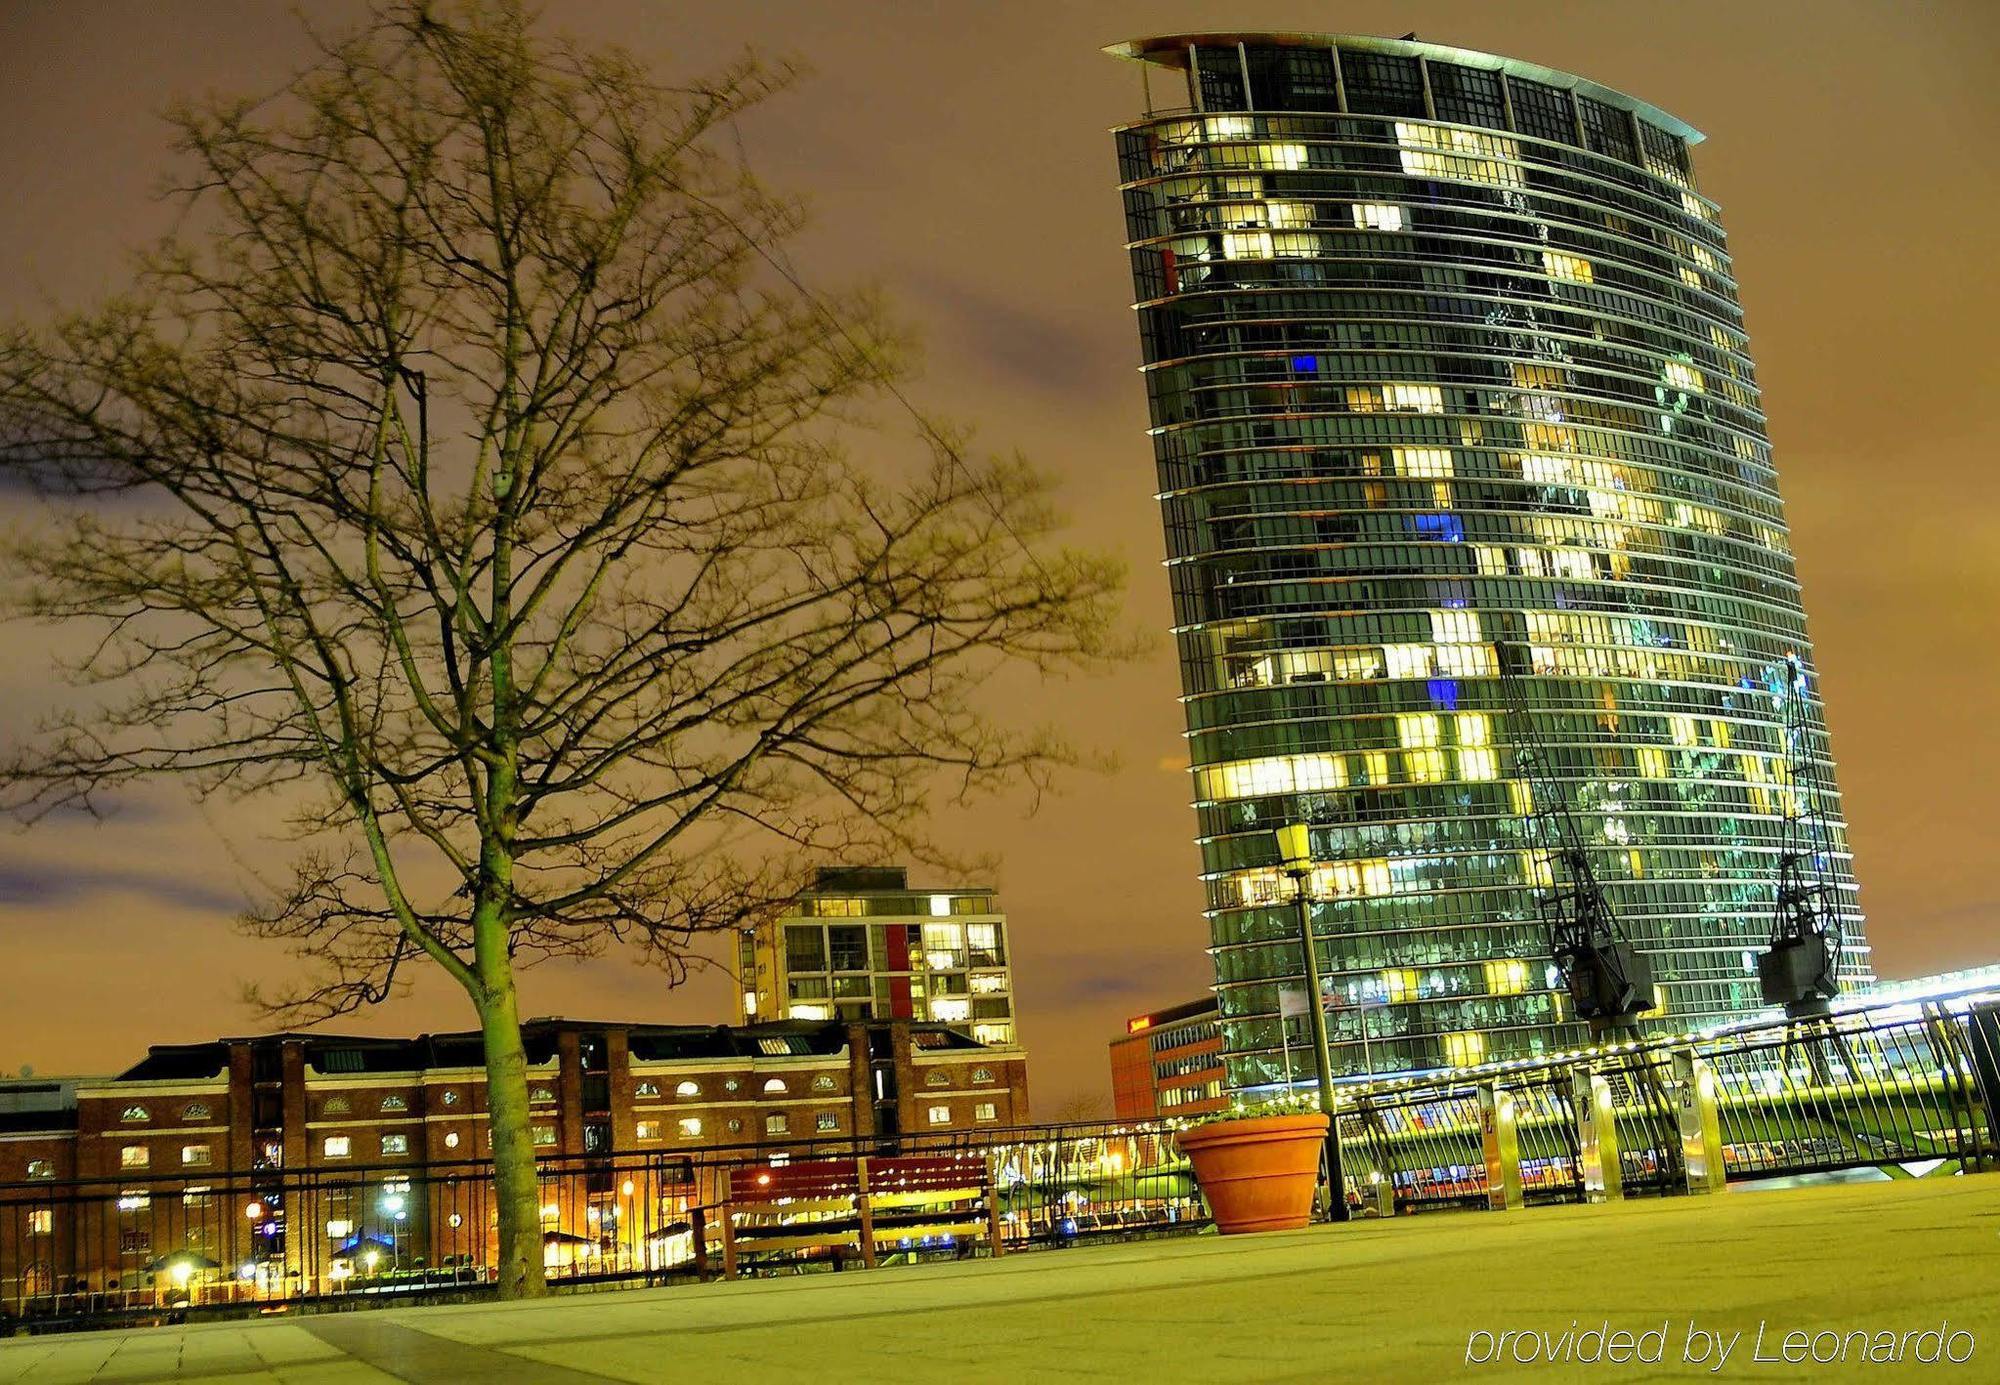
1295, 847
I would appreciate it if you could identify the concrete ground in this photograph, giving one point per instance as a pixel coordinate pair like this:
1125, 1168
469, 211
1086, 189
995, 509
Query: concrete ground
1377, 1300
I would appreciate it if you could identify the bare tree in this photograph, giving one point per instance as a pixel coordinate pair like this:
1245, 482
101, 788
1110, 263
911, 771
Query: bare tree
459, 478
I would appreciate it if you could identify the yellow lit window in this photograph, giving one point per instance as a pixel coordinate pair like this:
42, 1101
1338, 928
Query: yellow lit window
1281, 156
1464, 1050
1683, 376
1694, 206
1572, 267
1506, 976
1432, 462
1652, 762
1246, 245
1535, 869
1474, 728
1378, 216
1456, 627
1289, 213
1413, 399
1376, 763
1719, 732
1465, 156
1273, 774
1636, 862
1400, 983
1478, 762
1492, 559
1417, 728
1682, 729
1520, 797
1424, 766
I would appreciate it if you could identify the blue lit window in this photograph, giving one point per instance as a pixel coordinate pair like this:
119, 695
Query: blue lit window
1449, 528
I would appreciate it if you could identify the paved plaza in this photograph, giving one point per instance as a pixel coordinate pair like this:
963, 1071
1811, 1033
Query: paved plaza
1375, 1300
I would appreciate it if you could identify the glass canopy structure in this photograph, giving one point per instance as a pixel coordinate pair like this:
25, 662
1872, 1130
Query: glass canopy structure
1458, 435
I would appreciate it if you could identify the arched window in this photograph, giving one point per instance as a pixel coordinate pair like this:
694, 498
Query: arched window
134, 1113
934, 1078
195, 1111
774, 1086
395, 1103
688, 1088
646, 1089
334, 1106
823, 1082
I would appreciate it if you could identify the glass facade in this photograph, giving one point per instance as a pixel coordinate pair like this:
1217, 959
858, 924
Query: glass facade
1454, 414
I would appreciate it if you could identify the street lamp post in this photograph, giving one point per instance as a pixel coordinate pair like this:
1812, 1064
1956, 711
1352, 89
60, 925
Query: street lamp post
1295, 851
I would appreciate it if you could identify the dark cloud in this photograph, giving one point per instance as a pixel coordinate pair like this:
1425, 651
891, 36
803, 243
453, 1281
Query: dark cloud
46, 883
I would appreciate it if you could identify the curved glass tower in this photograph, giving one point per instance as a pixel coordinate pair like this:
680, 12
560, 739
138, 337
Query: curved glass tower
1459, 451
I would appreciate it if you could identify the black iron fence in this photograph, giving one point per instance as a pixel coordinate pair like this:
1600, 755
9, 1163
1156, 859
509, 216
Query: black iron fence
151, 1248
1913, 1086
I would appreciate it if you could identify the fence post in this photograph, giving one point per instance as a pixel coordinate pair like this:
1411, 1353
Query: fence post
1700, 1120
866, 1207
728, 1210
1500, 1141
1597, 1138
993, 1220
699, 1215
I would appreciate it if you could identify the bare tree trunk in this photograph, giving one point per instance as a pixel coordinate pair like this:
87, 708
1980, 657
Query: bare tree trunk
516, 1192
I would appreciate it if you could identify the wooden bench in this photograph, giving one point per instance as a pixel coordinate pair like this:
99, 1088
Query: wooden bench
859, 1206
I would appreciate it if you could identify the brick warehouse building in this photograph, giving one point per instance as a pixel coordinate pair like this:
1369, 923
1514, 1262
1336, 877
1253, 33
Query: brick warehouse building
278, 1164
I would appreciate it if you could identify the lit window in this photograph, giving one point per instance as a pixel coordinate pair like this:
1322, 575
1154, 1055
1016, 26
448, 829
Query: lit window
826, 1120
1463, 1050
940, 905
1428, 462
395, 1103
689, 1126
811, 1012
646, 1089
41, 1168
134, 1200
133, 1113
823, 1082
774, 1086
776, 1124
1378, 216
1417, 728
1424, 766
338, 1146
982, 1074
449, 1097
41, 1221
1682, 376
1478, 762
541, 1094
688, 1088
1652, 762
134, 1157
395, 1144
451, 1139
1506, 976
1572, 267
339, 1229
1400, 983
195, 1155
334, 1106
940, 1115
543, 1135
950, 1009
1465, 156
195, 1111
650, 1130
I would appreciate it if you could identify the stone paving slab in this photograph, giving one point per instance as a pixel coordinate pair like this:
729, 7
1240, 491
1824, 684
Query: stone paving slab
1377, 1300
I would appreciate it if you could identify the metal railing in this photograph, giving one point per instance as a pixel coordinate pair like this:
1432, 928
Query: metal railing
1897, 1084
147, 1248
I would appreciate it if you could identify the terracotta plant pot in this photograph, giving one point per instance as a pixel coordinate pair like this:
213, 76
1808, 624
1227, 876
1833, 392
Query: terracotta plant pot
1258, 1174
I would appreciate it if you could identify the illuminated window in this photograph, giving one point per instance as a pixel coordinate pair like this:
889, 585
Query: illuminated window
1520, 797
339, 1229
1506, 976
195, 1111
334, 1106
1427, 462
1478, 762
1246, 245
646, 1089
1682, 376
776, 1124
1474, 728
196, 1155
1682, 729
1286, 156
689, 1087
451, 1139
811, 1011
134, 1157
543, 1135
1463, 1050
41, 1168
133, 1113
940, 1115
1465, 156
1400, 984
395, 1103
826, 1121
774, 1086
985, 1111
1378, 216
1652, 762
689, 1127
1572, 267
1415, 399
1424, 766
395, 1144
1417, 728
338, 1146
982, 1074
41, 1221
